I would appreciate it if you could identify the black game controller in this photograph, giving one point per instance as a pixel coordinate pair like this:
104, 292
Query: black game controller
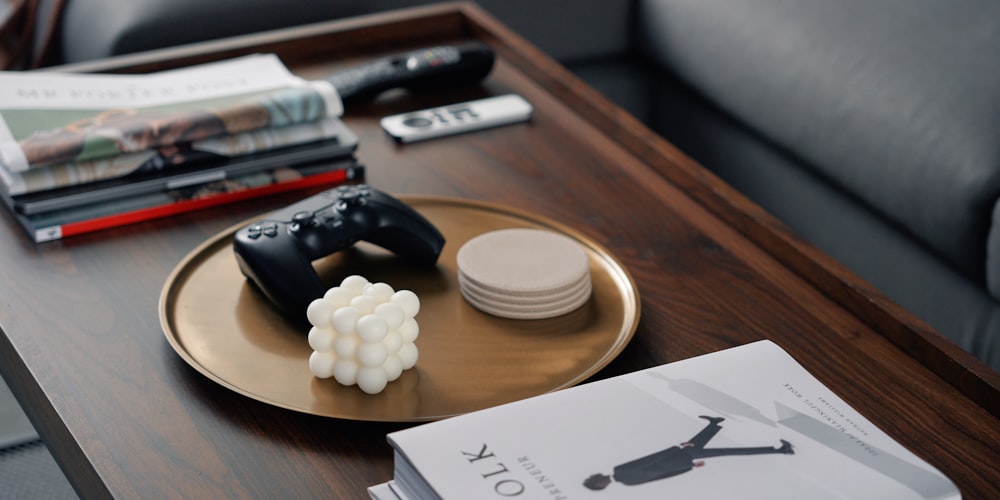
276, 253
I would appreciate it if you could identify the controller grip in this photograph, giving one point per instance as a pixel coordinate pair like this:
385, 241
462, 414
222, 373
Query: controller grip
286, 278
421, 246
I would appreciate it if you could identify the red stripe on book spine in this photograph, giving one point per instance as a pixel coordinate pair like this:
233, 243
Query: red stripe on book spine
151, 213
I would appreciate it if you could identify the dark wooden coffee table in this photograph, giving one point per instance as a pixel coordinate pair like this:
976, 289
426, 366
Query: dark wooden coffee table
83, 349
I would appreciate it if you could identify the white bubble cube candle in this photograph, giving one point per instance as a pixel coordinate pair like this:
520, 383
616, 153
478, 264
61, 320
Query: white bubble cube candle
363, 333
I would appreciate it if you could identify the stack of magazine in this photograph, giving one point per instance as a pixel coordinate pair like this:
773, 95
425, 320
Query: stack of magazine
746, 422
82, 152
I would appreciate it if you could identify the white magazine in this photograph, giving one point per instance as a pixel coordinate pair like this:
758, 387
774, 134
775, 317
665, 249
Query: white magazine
79, 117
734, 415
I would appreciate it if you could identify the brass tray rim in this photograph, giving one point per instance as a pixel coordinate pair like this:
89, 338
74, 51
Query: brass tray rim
625, 333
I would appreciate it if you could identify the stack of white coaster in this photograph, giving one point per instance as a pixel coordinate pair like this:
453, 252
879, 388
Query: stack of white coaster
524, 273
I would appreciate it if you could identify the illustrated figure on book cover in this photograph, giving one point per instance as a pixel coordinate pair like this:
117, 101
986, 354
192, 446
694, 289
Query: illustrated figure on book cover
678, 459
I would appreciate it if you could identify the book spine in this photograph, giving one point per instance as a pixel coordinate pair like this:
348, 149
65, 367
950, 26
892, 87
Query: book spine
59, 231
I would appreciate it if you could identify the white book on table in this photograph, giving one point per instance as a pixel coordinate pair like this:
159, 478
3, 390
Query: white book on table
746, 422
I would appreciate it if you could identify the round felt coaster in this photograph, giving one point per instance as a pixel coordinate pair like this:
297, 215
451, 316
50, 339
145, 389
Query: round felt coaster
490, 294
524, 273
523, 260
529, 310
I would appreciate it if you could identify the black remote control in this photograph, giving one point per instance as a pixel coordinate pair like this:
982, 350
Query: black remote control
276, 253
443, 66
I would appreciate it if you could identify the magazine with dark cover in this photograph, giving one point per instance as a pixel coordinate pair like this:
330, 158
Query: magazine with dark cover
746, 422
49, 118
197, 167
60, 224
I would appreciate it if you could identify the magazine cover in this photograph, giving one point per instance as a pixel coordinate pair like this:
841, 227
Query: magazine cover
52, 177
747, 422
52, 118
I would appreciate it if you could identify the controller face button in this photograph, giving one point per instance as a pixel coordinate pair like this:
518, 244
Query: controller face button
270, 230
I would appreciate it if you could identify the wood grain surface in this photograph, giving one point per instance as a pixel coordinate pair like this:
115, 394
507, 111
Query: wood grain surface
124, 416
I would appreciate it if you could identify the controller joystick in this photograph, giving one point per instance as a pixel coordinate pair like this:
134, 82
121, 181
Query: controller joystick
276, 253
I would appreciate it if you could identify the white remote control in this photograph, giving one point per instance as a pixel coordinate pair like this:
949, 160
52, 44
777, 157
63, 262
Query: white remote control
457, 118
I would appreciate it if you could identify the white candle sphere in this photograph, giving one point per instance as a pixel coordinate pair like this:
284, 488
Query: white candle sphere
392, 313
408, 301
319, 311
372, 355
345, 346
409, 330
345, 372
371, 328
372, 380
364, 304
354, 283
392, 341
393, 367
381, 292
344, 319
408, 355
321, 363
321, 339
338, 296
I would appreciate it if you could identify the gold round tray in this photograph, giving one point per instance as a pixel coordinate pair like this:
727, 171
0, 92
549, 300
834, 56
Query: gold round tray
224, 328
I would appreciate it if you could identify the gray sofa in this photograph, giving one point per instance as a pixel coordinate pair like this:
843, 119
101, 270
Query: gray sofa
870, 127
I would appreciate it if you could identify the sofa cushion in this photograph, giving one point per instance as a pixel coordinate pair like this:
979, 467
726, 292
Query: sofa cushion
897, 101
829, 218
99, 28
566, 29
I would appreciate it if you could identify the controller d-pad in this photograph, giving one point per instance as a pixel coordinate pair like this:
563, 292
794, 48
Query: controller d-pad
259, 229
